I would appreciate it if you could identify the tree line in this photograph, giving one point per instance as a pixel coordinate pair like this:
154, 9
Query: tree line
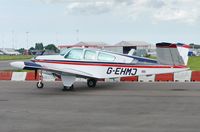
40, 47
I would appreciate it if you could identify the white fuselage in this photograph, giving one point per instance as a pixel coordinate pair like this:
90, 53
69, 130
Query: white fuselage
121, 66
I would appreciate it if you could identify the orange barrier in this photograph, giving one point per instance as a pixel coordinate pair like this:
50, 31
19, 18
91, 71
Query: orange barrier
164, 77
195, 76
7, 75
30, 76
132, 78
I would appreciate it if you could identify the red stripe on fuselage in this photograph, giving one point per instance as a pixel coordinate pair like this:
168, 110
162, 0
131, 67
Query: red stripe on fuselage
186, 46
173, 46
107, 64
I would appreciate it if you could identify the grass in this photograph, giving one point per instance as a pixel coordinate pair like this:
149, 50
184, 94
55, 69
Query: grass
194, 63
15, 57
151, 57
16, 70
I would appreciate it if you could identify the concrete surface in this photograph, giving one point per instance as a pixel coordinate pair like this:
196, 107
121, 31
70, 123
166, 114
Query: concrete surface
5, 65
111, 107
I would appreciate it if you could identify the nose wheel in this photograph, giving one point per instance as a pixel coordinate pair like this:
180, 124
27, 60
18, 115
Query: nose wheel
91, 83
40, 85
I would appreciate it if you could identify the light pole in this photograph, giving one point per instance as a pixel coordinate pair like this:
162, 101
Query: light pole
56, 38
13, 43
3, 41
27, 39
77, 33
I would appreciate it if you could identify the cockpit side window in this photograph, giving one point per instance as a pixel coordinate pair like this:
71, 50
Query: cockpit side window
63, 52
105, 57
75, 54
90, 55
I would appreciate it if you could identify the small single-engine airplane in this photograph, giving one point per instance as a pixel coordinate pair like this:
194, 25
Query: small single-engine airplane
94, 64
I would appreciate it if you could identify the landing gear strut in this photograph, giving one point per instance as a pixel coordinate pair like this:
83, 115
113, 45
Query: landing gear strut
91, 83
40, 83
71, 88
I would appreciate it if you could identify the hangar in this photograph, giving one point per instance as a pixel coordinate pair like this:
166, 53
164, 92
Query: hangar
125, 46
8, 51
85, 44
122, 47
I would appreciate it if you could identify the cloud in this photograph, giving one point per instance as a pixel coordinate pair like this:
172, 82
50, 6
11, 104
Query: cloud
89, 8
185, 11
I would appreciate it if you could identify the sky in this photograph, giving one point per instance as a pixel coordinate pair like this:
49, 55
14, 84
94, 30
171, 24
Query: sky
26, 22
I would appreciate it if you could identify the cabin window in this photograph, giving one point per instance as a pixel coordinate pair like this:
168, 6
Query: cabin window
63, 52
75, 54
90, 55
105, 57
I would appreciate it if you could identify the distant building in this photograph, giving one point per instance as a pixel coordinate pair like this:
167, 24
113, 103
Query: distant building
64, 46
85, 45
9, 51
1, 53
91, 44
121, 47
194, 50
42, 52
125, 46
195, 46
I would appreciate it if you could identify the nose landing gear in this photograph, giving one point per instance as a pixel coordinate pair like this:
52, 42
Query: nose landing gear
40, 83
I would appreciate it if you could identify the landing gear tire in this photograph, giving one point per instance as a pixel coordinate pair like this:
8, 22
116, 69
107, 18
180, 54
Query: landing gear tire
71, 88
91, 83
40, 85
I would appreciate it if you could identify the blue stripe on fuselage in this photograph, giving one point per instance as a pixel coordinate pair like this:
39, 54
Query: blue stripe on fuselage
140, 59
31, 65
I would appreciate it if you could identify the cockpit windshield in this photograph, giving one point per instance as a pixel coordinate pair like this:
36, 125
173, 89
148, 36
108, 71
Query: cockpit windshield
74, 54
63, 52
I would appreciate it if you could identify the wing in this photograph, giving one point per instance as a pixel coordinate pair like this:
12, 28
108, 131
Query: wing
68, 71
33, 66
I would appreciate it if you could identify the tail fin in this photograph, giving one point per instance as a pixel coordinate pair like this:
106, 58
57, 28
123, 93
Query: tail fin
172, 54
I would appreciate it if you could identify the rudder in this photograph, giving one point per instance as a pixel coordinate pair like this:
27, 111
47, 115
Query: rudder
172, 54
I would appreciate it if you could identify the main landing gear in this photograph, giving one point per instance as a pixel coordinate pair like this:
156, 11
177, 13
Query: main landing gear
91, 83
67, 82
